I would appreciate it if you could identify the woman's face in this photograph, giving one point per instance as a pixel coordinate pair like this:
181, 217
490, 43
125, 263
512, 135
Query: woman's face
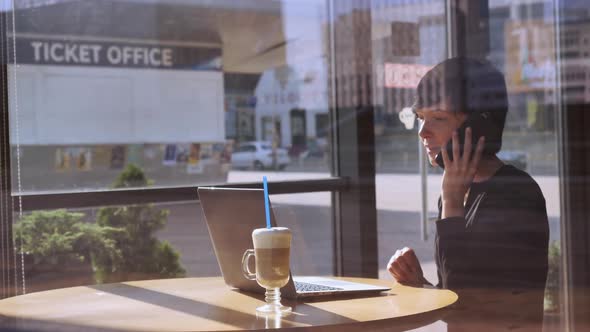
437, 124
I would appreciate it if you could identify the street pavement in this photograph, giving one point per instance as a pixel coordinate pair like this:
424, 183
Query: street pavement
394, 192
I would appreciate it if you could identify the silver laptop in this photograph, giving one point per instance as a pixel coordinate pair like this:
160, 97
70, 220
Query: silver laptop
231, 215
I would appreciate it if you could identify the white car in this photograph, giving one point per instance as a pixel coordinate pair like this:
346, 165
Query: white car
259, 155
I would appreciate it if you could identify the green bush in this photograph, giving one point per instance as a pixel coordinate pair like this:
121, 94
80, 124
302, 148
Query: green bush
58, 238
132, 176
132, 229
120, 246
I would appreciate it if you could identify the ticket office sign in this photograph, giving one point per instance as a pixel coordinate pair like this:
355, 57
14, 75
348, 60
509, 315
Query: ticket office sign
106, 54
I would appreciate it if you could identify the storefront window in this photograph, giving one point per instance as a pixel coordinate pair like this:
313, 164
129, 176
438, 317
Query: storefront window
149, 95
175, 92
143, 97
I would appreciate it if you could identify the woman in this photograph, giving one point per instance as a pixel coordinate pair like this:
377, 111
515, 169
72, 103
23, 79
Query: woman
492, 230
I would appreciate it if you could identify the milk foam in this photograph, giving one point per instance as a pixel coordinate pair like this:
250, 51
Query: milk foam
275, 237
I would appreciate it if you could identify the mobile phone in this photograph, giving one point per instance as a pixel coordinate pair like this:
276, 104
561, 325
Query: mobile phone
481, 125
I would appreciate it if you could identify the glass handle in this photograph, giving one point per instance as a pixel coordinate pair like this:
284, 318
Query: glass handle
245, 268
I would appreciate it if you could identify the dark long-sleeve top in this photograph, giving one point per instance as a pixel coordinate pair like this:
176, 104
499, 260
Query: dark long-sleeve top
502, 241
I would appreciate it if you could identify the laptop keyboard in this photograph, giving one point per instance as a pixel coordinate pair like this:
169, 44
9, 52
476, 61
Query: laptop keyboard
307, 287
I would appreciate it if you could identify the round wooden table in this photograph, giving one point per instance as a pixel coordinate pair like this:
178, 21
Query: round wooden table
207, 304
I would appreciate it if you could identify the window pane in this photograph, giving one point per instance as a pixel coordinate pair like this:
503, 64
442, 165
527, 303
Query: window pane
173, 90
64, 248
128, 93
409, 44
530, 140
409, 39
163, 93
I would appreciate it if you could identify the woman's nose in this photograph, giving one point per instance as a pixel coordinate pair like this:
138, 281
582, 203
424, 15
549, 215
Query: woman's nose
424, 130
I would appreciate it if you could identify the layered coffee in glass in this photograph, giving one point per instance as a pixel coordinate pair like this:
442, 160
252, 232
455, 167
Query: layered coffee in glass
271, 250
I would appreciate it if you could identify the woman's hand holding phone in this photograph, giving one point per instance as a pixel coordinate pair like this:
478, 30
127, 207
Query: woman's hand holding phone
459, 173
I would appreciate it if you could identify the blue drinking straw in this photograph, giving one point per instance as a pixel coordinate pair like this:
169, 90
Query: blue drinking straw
266, 207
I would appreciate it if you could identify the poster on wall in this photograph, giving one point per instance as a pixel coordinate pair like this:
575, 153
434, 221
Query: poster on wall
101, 157
182, 151
83, 159
62, 159
117, 157
169, 155
530, 58
195, 166
73, 159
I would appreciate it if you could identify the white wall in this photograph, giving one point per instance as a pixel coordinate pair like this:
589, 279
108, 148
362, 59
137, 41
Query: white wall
306, 87
86, 105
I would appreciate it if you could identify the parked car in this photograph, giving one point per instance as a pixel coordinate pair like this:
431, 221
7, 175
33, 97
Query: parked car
259, 155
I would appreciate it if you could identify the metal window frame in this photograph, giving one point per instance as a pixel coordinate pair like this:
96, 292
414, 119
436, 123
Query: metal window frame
7, 253
130, 196
574, 186
354, 210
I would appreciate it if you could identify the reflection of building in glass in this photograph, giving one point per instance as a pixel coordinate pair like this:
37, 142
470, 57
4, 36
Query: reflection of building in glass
240, 103
88, 83
517, 46
400, 61
575, 48
515, 40
530, 62
267, 65
295, 99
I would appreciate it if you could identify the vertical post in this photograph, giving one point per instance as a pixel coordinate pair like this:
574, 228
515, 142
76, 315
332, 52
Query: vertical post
574, 176
468, 28
575, 186
354, 210
7, 253
565, 309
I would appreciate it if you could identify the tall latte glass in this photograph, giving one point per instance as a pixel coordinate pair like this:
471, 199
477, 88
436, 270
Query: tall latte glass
271, 253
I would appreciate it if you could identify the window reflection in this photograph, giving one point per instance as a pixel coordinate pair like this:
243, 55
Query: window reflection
137, 94
408, 39
175, 90
200, 92
65, 248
